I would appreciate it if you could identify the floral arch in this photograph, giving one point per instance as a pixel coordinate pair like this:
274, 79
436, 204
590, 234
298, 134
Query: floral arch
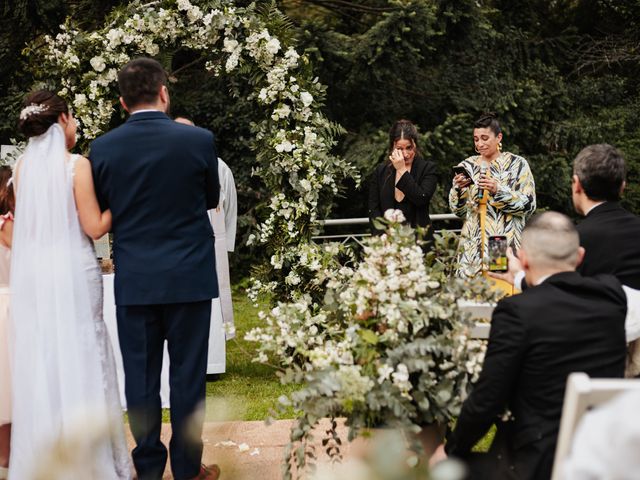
292, 137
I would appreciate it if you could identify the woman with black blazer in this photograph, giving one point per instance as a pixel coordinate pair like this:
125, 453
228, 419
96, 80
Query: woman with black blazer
406, 181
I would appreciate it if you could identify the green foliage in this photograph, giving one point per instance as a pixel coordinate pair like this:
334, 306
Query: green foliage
386, 345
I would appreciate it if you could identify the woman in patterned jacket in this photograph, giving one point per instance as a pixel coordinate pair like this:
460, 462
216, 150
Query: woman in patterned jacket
501, 180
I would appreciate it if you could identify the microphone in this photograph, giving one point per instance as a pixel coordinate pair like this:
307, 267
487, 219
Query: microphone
484, 167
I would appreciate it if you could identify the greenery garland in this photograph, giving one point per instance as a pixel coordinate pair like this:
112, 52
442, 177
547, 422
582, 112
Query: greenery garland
292, 140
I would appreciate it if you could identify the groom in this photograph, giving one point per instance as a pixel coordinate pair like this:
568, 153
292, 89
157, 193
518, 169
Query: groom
159, 178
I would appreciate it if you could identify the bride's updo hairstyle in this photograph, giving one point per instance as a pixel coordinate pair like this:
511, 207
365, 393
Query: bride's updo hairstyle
41, 110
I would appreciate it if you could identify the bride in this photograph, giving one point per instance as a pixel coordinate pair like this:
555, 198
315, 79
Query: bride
65, 396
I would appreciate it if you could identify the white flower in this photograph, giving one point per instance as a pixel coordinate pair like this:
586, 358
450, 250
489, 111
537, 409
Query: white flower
395, 216
184, 5
401, 374
292, 279
305, 184
306, 98
230, 44
80, 100
285, 146
194, 14
273, 46
98, 63
281, 112
384, 372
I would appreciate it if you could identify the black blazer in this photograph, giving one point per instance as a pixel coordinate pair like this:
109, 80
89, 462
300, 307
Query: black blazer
159, 177
567, 324
611, 237
418, 187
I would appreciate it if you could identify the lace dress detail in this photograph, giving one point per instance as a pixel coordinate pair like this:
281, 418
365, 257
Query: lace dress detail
93, 275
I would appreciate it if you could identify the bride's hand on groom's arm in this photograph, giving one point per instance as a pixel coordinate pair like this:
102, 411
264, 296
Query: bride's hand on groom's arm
94, 222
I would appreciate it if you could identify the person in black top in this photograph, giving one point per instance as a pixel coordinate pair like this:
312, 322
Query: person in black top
609, 234
406, 181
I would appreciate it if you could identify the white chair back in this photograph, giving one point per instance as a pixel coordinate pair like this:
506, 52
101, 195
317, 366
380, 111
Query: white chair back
583, 393
481, 312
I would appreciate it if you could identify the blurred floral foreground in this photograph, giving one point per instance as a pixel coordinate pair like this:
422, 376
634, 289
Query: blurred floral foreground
384, 344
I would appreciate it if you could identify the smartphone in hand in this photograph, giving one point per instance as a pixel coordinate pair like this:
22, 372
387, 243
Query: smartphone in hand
460, 170
498, 261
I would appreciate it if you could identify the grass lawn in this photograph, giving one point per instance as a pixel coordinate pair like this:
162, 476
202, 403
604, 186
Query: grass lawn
247, 391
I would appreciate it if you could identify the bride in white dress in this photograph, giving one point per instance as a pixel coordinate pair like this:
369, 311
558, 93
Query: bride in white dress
67, 421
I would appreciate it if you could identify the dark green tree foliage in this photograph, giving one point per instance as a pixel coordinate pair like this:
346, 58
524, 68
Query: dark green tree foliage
561, 75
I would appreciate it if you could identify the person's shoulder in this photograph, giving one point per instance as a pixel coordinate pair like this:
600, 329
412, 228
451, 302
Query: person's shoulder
108, 137
606, 279
472, 160
381, 167
192, 130
514, 158
424, 163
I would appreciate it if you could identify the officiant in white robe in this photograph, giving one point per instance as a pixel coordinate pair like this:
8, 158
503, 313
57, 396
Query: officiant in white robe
224, 221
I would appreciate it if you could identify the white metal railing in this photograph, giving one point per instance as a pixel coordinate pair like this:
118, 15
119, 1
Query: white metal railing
365, 220
357, 237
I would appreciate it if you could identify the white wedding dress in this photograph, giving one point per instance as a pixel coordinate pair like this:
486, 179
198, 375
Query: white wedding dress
67, 420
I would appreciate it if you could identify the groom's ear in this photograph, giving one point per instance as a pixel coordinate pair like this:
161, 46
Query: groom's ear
163, 94
124, 105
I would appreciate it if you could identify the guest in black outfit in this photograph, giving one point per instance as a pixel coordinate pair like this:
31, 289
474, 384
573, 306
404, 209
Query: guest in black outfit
609, 233
406, 181
562, 323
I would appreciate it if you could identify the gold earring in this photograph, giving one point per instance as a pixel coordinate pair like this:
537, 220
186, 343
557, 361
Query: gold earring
499, 146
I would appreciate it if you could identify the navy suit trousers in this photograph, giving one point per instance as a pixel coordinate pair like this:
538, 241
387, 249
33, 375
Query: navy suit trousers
142, 331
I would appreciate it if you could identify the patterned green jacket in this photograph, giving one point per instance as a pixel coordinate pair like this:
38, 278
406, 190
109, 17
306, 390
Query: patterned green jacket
507, 210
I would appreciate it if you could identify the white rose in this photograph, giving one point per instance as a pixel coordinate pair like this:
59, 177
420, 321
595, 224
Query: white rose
80, 100
394, 215
285, 146
306, 98
273, 46
184, 5
230, 44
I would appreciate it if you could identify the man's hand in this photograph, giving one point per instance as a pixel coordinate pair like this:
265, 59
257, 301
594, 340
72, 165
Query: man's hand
438, 456
515, 266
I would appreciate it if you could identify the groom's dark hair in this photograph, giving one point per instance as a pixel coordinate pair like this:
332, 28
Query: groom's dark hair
140, 81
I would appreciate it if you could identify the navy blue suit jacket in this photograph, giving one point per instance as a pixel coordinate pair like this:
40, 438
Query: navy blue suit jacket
159, 178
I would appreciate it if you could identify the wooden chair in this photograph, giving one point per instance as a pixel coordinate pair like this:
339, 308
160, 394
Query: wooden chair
582, 394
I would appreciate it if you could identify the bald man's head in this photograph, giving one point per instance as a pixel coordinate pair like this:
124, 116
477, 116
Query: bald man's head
550, 240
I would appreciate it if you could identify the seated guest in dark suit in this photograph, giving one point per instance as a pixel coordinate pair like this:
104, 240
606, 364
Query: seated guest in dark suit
406, 181
609, 233
564, 323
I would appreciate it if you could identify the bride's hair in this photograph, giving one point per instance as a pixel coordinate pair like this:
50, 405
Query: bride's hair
41, 110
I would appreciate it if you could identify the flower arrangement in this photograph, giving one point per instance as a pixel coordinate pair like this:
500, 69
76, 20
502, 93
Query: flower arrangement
292, 138
387, 345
